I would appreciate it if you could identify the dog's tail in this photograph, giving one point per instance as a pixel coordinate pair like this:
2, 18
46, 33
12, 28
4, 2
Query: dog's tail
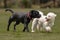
9, 10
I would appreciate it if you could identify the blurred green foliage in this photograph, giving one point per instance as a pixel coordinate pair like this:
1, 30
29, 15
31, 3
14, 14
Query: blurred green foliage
30, 3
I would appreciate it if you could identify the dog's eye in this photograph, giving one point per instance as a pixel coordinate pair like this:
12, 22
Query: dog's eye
37, 13
49, 16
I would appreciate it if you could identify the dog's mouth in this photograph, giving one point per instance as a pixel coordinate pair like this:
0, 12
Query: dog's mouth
39, 16
47, 19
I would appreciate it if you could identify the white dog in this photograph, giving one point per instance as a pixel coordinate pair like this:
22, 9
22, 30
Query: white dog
45, 22
35, 21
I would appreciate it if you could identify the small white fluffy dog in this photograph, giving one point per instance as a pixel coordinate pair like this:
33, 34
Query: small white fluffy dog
45, 22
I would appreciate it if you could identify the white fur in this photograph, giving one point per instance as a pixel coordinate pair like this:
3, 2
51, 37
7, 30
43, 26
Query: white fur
35, 21
42, 23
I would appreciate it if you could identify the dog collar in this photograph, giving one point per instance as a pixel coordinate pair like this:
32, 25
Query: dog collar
28, 15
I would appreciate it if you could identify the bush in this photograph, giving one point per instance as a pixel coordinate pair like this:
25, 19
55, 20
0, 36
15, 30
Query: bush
25, 3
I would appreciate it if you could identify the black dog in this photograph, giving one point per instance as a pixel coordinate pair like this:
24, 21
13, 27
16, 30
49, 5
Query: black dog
24, 18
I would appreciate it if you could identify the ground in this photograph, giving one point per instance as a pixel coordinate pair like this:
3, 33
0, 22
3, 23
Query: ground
19, 35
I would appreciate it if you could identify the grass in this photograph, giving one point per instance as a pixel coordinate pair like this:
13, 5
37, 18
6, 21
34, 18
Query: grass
19, 35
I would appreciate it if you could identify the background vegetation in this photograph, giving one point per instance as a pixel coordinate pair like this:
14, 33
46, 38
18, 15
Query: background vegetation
29, 3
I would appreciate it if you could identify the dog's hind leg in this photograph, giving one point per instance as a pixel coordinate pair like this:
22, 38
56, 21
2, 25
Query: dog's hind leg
9, 23
17, 22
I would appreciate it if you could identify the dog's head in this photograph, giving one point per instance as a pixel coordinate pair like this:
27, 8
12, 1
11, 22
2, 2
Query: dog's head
51, 15
34, 14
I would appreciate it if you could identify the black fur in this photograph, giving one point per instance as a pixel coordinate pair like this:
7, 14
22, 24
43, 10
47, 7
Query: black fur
23, 18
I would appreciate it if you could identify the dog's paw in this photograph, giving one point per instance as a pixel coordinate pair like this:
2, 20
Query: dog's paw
32, 31
7, 29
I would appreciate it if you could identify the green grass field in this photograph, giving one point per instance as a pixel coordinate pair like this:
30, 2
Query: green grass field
19, 35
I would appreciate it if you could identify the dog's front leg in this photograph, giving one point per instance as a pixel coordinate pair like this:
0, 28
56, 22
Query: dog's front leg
25, 28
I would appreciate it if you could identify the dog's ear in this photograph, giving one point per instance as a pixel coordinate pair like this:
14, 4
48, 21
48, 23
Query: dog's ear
32, 11
55, 15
